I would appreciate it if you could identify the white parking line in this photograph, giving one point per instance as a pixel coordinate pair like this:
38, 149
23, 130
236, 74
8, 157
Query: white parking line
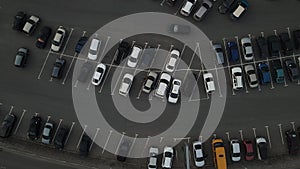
229, 67
105, 46
254, 132
194, 87
131, 147
63, 51
272, 84
280, 132
119, 143
241, 134
218, 82
76, 83
268, 134
201, 139
156, 51
60, 120
191, 61
228, 136
70, 131
103, 149
48, 118
85, 126
254, 61
162, 2
44, 64
241, 62
69, 68
95, 136
11, 109
161, 139
293, 125
179, 7
145, 146
18, 125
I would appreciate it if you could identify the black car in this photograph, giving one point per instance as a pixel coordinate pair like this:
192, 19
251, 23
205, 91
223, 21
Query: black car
81, 42
7, 125
58, 68
122, 52
286, 44
34, 128
61, 137
84, 146
21, 57
292, 142
274, 45
296, 34
224, 7
19, 21
85, 72
43, 37
171, 2
263, 47
292, 69
123, 150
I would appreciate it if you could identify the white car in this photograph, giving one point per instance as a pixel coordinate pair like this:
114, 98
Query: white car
236, 74
235, 150
163, 84
126, 84
152, 163
167, 157
209, 83
31, 24
94, 49
198, 154
188, 7
99, 73
47, 133
133, 57
170, 66
247, 48
58, 39
150, 82
175, 91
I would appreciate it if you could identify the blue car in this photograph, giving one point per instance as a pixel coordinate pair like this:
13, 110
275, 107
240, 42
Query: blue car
264, 73
233, 51
81, 42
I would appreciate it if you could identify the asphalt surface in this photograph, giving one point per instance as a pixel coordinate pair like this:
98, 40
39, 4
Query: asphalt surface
31, 88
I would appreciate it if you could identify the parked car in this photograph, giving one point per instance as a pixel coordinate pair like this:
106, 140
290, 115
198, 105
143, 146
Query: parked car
133, 56
163, 84
123, 150
84, 146
58, 68
174, 91
81, 42
249, 150
31, 24
239, 9
43, 37
61, 136
209, 83
167, 159
47, 133
147, 57
94, 49
19, 21
247, 48
7, 125
171, 2
224, 7
296, 37
219, 53
179, 29
122, 52
219, 153
235, 150
198, 154
262, 47
99, 74
264, 73
150, 82
203, 10
274, 45
262, 148
58, 39
286, 44
85, 71
188, 7
236, 74
278, 73
21, 57
233, 51
292, 69
153, 153
170, 66
126, 84
292, 140
34, 128
251, 76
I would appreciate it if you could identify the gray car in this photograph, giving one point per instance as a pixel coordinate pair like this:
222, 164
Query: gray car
21, 57
219, 53
203, 10
251, 76
180, 29
47, 133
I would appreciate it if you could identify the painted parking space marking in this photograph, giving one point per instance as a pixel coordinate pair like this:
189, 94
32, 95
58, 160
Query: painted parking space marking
272, 84
162, 2
117, 149
132, 145
105, 145
11, 109
85, 126
44, 64
293, 125
241, 134
69, 68
218, 81
280, 132
21, 118
229, 67
180, 7
268, 135
161, 139
60, 121
94, 138
228, 135
70, 131
254, 132
255, 63
48, 118
145, 146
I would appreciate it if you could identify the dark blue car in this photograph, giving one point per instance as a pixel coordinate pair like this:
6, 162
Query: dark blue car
264, 73
81, 42
233, 51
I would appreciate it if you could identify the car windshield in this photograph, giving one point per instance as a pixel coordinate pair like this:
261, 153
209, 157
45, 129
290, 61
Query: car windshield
265, 69
219, 50
236, 154
152, 166
132, 59
164, 81
173, 95
93, 52
100, 70
250, 72
198, 146
238, 74
168, 154
200, 159
127, 80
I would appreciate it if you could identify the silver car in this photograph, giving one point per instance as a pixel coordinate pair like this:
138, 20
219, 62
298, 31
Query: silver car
47, 133
251, 76
247, 48
203, 10
180, 29
219, 53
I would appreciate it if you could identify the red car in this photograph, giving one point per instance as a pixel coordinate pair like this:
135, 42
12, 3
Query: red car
249, 153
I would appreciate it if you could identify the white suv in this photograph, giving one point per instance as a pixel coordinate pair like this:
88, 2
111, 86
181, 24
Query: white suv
126, 84
164, 82
236, 74
167, 157
31, 24
58, 39
187, 7
133, 57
